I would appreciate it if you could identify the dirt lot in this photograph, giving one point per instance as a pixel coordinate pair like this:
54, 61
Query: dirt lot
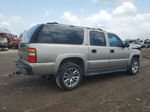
116, 92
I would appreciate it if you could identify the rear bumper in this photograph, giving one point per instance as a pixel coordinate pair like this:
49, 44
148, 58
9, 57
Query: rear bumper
26, 68
23, 68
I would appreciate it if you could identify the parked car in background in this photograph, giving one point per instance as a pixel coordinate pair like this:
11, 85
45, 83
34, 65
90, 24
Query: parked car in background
134, 44
12, 40
3, 44
147, 44
13, 43
69, 52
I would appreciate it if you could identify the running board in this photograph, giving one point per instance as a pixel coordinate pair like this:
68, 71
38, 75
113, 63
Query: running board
104, 71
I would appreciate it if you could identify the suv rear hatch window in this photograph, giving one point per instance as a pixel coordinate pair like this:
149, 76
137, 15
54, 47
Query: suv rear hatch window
26, 39
28, 35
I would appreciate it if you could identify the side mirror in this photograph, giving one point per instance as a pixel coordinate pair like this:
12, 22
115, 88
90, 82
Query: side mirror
126, 44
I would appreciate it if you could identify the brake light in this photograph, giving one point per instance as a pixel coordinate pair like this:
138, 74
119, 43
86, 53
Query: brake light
32, 58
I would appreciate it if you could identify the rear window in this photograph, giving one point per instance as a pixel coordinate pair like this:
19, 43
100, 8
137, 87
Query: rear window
61, 35
28, 34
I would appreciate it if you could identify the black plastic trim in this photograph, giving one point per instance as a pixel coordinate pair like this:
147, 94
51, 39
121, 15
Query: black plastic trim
22, 65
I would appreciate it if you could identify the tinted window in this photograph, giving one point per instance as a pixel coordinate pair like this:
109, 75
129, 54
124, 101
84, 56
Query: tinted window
61, 35
28, 34
146, 42
97, 38
114, 41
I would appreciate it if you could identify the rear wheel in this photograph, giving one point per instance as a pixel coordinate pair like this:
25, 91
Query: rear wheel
134, 66
69, 76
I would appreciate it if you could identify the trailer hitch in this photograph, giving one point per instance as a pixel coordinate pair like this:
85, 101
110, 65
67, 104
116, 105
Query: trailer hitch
14, 73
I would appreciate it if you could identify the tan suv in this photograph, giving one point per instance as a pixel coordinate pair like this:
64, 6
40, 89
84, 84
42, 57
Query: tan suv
71, 52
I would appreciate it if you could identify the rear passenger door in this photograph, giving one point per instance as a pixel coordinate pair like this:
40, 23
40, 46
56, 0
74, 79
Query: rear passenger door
118, 54
98, 51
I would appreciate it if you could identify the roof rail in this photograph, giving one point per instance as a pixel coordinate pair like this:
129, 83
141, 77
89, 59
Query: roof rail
99, 29
75, 26
71, 25
52, 23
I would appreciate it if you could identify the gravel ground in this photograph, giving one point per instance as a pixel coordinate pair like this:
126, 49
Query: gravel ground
117, 92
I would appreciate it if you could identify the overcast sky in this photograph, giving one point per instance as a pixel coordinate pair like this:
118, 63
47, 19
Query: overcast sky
127, 18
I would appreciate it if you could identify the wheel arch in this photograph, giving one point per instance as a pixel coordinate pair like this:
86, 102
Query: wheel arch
75, 58
133, 56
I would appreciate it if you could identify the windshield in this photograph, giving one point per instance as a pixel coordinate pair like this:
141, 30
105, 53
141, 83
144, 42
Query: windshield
28, 34
137, 42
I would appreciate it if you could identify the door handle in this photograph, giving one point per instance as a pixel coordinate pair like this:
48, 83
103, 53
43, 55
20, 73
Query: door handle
112, 51
94, 51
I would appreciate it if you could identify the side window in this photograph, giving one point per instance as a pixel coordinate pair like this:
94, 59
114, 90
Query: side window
97, 38
61, 35
114, 40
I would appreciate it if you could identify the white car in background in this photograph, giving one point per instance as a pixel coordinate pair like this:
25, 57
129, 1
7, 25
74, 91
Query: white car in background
3, 44
134, 44
147, 44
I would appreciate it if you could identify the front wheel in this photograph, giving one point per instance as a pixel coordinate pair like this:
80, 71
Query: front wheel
69, 76
134, 66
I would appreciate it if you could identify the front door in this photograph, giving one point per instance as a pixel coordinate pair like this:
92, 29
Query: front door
119, 55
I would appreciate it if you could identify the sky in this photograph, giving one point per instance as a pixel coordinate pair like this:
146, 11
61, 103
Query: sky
127, 18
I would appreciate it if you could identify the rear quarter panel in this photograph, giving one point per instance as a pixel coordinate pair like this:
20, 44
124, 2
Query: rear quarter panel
57, 52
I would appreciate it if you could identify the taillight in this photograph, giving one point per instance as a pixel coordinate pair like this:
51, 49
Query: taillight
32, 55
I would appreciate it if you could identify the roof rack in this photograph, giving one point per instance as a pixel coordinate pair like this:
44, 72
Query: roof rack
52, 23
75, 26
99, 29
71, 25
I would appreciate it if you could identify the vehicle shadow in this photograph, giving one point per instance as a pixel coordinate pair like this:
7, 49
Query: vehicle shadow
103, 77
49, 84
31, 83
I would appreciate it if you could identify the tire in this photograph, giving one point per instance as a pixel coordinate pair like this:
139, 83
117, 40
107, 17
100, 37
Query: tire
66, 79
133, 69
